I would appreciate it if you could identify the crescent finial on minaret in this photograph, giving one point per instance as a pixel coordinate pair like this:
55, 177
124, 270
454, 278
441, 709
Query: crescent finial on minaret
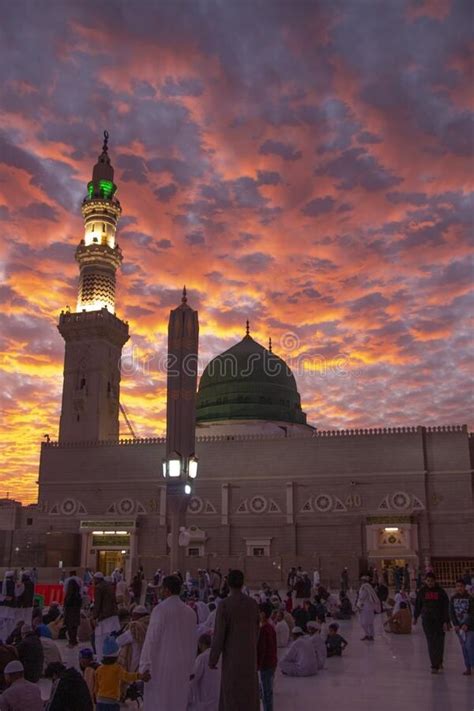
247, 328
105, 147
270, 344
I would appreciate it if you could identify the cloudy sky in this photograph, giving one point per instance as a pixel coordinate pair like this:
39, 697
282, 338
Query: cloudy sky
306, 165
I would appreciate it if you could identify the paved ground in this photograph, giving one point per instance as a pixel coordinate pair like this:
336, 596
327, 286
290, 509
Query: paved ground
392, 673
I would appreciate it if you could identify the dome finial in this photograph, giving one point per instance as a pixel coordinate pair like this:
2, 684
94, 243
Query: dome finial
105, 147
247, 328
184, 297
270, 344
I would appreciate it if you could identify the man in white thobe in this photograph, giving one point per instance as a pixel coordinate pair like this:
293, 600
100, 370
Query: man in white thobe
368, 604
300, 659
169, 651
282, 630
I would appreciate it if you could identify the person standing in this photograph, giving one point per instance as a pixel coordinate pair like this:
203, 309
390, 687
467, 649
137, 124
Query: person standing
461, 610
235, 637
368, 604
345, 580
169, 651
267, 658
104, 611
72, 607
432, 605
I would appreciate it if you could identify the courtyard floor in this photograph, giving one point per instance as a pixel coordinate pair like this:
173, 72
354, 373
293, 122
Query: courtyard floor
392, 673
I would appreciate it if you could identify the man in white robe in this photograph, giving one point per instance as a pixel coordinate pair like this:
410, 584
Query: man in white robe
368, 604
169, 651
282, 630
300, 659
319, 645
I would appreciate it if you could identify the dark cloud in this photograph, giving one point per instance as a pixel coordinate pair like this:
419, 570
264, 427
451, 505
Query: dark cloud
166, 192
357, 168
319, 206
184, 86
284, 150
39, 211
195, 238
268, 177
255, 262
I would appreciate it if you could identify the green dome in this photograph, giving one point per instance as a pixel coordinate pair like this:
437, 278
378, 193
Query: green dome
248, 382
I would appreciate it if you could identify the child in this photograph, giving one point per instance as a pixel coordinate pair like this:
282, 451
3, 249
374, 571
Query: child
205, 682
109, 677
88, 669
335, 644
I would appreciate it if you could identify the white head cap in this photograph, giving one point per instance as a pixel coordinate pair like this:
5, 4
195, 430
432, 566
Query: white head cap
14, 667
297, 630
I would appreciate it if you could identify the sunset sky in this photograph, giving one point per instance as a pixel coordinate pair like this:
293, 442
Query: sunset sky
306, 165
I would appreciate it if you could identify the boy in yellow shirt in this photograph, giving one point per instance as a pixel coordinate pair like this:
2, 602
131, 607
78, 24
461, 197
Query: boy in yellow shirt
109, 677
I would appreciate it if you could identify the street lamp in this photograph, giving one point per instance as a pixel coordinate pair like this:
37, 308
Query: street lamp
183, 470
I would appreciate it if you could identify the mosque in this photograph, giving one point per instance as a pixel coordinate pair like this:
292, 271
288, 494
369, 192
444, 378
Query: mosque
273, 491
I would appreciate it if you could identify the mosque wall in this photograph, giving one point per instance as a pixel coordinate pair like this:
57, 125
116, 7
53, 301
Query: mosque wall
305, 501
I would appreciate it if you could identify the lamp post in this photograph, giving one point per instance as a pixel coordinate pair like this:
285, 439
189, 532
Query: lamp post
180, 466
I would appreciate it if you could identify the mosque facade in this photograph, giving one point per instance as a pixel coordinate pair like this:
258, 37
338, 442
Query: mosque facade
273, 491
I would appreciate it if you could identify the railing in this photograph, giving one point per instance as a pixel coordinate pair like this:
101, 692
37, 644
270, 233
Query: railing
259, 437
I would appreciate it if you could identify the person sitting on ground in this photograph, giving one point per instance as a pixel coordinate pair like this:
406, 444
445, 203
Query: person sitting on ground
21, 695
110, 675
319, 608
281, 629
69, 689
7, 654
15, 636
54, 611
319, 646
50, 648
37, 614
300, 659
345, 611
205, 682
300, 616
30, 654
400, 622
335, 643
88, 667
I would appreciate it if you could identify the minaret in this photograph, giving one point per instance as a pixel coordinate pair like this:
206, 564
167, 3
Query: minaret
94, 336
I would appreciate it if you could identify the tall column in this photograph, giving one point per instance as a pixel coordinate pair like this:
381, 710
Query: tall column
183, 336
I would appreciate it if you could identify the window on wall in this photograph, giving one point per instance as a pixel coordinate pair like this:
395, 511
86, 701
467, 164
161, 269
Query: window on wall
195, 551
29, 521
258, 547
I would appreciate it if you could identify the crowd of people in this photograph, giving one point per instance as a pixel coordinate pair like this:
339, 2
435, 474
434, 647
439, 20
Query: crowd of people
203, 643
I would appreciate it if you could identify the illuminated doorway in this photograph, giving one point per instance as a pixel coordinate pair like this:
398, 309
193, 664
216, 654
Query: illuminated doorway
109, 560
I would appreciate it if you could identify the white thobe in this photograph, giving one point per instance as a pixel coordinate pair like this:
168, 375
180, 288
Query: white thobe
202, 611
319, 647
127, 638
205, 686
168, 653
366, 603
282, 633
300, 659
